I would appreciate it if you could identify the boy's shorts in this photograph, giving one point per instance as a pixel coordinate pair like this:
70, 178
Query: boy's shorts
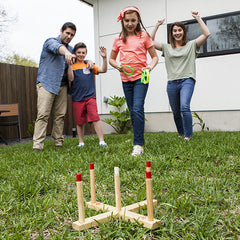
87, 107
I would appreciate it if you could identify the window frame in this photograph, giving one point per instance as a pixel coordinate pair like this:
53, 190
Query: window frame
205, 19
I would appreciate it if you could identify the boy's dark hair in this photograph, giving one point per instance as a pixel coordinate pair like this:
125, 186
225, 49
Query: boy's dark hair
69, 25
79, 45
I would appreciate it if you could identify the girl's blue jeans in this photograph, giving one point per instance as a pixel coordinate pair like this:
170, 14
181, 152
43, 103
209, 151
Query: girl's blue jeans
179, 95
135, 93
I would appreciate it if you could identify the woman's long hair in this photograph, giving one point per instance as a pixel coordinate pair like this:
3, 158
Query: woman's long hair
171, 38
138, 29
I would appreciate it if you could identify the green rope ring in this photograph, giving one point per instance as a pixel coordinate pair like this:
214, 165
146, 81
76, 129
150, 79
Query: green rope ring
131, 73
145, 76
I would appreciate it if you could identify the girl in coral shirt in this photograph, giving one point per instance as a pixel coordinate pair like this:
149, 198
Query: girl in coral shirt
133, 43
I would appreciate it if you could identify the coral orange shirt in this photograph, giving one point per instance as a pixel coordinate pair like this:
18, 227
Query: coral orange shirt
133, 53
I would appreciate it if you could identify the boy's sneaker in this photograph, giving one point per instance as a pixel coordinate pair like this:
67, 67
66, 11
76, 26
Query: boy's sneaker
137, 150
81, 144
103, 144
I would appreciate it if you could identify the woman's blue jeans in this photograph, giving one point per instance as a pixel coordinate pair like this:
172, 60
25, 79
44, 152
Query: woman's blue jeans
179, 95
135, 93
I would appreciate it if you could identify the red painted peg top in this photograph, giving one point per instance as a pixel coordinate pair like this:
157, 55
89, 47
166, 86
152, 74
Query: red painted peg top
79, 177
91, 165
148, 163
148, 174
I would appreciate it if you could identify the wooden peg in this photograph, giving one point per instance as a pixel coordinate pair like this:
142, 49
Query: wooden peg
149, 196
117, 189
81, 213
92, 183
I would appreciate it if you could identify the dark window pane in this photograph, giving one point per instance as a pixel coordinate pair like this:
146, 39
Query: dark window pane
194, 31
225, 34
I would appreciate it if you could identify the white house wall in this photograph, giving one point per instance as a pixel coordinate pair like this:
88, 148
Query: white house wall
218, 79
218, 82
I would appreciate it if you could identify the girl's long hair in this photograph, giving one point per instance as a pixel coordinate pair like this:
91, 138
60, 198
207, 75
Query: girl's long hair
171, 38
123, 34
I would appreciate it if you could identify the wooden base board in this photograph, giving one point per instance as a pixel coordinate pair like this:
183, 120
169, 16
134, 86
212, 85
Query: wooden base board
127, 213
133, 207
93, 221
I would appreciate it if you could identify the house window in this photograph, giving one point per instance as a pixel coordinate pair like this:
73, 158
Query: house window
225, 34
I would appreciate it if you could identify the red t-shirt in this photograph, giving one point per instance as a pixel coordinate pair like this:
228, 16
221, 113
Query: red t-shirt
133, 53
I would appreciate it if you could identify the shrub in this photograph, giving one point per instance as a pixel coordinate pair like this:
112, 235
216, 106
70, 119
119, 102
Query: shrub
121, 120
200, 123
31, 128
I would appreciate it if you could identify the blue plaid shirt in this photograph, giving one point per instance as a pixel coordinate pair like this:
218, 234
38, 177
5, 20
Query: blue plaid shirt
52, 65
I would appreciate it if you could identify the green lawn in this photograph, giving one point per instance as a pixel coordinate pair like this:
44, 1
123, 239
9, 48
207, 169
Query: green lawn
196, 183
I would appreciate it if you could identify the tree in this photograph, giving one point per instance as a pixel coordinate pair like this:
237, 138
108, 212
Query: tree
6, 20
19, 60
6, 55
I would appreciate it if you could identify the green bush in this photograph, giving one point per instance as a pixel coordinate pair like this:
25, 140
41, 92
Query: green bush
121, 120
200, 122
31, 128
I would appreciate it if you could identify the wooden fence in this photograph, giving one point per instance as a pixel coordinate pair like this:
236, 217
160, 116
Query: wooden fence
18, 85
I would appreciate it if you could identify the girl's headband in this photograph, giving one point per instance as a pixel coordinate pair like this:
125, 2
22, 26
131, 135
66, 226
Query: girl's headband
122, 13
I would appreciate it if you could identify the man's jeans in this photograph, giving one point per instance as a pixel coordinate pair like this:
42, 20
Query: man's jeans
135, 93
179, 95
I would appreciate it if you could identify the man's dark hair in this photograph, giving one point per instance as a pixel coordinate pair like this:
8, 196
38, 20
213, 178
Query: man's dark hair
69, 25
